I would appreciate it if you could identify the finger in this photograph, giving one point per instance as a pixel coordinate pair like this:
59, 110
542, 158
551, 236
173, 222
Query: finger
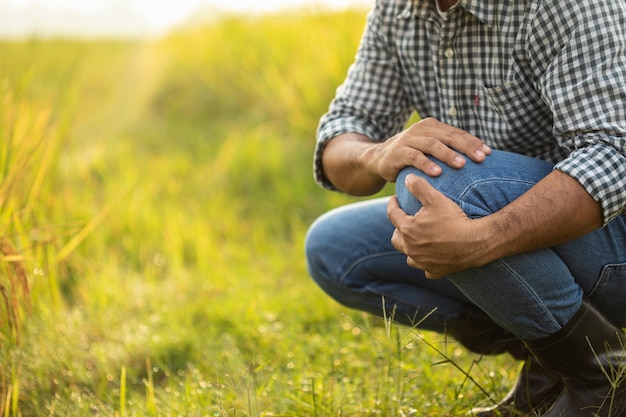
395, 214
456, 138
410, 262
422, 190
424, 164
397, 241
431, 276
432, 145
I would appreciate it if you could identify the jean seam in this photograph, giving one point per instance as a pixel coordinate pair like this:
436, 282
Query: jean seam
362, 259
532, 293
605, 273
481, 181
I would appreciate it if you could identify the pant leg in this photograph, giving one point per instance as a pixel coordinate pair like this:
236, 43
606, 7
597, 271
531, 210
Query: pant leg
533, 294
350, 256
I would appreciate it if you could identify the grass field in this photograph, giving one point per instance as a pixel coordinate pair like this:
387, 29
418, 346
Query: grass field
153, 204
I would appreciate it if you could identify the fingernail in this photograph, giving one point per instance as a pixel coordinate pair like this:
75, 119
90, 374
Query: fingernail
458, 160
486, 148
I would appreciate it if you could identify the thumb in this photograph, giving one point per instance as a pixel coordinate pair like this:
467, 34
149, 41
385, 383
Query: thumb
422, 190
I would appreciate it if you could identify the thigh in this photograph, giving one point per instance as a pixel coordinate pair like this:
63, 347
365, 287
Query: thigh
360, 234
350, 256
344, 237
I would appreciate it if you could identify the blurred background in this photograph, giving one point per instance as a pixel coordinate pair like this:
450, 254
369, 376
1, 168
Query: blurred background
133, 18
155, 193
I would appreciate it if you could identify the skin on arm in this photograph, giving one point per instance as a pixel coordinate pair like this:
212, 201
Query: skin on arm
441, 239
359, 166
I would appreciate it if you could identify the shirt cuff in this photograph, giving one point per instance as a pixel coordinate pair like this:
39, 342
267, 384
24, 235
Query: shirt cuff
327, 130
601, 170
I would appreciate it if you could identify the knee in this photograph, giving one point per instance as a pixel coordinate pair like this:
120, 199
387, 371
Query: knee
465, 186
470, 193
479, 188
312, 247
407, 201
324, 264
317, 249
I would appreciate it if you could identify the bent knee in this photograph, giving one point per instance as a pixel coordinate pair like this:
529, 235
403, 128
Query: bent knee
406, 200
482, 188
318, 248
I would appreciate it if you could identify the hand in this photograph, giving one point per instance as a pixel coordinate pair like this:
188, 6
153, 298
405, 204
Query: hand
439, 239
426, 137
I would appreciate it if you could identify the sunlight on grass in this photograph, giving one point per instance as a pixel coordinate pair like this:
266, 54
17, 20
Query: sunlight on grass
155, 197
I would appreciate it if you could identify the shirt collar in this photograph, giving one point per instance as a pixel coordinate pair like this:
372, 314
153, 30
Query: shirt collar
483, 10
425, 9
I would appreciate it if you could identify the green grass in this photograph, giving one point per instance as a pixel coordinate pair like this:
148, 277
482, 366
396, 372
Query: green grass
154, 197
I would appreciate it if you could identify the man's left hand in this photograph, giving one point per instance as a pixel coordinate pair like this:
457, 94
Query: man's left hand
439, 239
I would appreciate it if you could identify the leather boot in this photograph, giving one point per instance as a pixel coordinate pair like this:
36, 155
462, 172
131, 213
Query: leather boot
535, 391
589, 353
536, 388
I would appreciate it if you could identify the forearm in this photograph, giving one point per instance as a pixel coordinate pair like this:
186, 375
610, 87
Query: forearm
556, 210
357, 165
345, 167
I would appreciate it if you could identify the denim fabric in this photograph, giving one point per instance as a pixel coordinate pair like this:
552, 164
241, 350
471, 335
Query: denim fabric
350, 256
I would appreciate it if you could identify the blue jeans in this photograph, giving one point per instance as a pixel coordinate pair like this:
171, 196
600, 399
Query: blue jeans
532, 295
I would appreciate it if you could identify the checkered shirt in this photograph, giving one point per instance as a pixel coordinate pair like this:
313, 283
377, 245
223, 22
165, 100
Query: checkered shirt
537, 77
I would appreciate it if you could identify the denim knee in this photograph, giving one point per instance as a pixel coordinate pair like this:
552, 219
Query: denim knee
314, 250
325, 262
482, 188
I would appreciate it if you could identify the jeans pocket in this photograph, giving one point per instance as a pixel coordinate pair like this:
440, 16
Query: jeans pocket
609, 293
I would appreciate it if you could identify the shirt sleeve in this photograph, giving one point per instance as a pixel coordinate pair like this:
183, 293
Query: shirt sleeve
578, 53
371, 101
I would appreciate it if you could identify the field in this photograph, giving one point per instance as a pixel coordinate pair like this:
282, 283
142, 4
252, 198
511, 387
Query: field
153, 204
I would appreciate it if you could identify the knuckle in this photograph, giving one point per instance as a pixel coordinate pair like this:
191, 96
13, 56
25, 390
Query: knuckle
430, 142
413, 127
417, 157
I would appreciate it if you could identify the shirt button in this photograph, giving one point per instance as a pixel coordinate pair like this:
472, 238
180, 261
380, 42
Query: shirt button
449, 53
452, 111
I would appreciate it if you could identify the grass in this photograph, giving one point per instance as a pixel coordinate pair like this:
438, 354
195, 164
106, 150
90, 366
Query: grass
154, 200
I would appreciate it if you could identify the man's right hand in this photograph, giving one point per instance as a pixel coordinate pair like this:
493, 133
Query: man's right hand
358, 166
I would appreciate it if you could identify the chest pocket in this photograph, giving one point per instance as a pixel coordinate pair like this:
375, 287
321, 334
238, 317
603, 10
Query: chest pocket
514, 117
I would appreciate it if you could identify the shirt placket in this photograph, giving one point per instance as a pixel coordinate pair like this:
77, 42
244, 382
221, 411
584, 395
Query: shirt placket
447, 57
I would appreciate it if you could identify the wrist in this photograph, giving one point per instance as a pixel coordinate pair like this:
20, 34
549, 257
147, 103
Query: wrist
367, 157
347, 164
491, 240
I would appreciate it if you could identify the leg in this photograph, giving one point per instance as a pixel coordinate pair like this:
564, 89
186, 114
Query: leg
589, 353
532, 295
539, 295
350, 256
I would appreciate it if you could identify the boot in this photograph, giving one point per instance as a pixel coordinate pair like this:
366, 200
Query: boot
589, 353
535, 391
536, 388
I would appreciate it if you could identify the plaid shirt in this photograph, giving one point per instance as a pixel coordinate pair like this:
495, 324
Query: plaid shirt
541, 78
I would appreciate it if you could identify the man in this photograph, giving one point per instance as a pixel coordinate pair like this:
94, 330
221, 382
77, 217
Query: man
508, 230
